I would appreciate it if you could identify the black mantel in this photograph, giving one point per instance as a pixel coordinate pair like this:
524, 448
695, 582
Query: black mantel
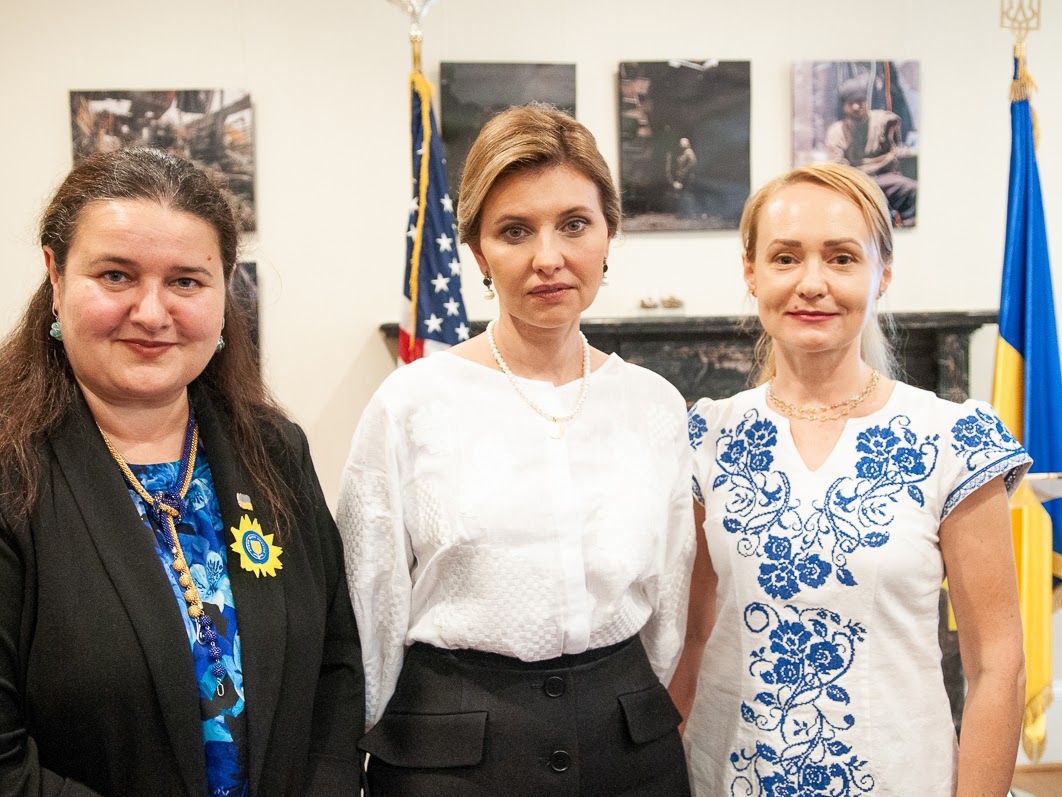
712, 355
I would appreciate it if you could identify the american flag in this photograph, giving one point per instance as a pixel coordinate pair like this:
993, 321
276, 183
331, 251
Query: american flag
433, 313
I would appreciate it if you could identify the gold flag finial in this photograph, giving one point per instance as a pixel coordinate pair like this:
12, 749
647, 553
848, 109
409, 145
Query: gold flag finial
416, 36
416, 9
1020, 17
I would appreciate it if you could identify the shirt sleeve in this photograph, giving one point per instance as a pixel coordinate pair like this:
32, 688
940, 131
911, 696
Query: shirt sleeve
377, 550
977, 448
701, 419
663, 635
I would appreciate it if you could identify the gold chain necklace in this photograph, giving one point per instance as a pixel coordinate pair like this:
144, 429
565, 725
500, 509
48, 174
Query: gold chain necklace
820, 413
168, 508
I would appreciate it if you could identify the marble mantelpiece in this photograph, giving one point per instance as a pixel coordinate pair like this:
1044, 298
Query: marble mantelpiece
712, 355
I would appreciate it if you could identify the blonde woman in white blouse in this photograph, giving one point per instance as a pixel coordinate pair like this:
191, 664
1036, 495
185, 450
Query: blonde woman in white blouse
516, 514
833, 501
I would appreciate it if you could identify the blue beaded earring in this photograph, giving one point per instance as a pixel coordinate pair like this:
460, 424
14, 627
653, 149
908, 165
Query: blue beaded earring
57, 329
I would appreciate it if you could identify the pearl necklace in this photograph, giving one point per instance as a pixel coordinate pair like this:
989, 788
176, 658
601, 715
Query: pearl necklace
819, 413
556, 422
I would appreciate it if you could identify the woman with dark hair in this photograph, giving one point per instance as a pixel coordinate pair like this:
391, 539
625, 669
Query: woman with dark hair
174, 616
833, 501
517, 517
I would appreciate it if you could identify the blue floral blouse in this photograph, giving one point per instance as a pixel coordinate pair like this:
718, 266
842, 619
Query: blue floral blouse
822, 675
202, 539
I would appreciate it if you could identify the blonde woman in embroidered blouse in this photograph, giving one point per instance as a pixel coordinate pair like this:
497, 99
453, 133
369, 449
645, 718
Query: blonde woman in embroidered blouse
516, 514
833, 501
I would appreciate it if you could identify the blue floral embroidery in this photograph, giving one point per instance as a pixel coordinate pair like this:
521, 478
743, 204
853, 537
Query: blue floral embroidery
698, 428
980, 431
807, 654
989, 449
697, 494
855, 512
758, 498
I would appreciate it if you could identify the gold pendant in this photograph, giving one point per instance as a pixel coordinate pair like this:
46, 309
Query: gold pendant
556, 430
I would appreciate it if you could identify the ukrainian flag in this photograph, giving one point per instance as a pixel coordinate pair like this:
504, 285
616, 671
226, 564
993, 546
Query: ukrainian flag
1027, 394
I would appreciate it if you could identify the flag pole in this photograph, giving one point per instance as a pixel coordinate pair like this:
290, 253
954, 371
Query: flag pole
416, 36
416, 9
418, 84
432, 317
1026, 375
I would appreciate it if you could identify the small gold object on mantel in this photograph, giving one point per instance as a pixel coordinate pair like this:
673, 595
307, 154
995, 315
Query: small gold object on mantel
666, 302
1020, 16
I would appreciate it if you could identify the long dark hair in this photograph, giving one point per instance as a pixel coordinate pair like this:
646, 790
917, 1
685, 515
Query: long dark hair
37, 386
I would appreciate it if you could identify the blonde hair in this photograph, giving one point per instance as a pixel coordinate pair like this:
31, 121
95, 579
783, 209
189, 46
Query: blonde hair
857, 187
529, 138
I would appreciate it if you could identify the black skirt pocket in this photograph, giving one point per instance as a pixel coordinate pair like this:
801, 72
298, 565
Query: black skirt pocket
428, 741
649, 713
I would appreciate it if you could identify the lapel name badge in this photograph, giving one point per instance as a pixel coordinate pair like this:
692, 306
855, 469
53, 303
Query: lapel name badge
258, 553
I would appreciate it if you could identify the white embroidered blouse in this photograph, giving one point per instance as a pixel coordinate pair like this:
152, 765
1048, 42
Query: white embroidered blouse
467, 526
822, 674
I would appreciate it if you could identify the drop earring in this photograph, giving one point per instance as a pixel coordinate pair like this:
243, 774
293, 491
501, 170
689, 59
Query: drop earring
221, 339
604, 275
56, 330
488, 290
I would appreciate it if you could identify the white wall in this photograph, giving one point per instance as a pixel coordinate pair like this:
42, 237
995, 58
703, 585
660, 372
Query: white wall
329, 83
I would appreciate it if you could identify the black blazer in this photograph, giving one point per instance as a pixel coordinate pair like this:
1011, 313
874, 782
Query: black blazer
97, 687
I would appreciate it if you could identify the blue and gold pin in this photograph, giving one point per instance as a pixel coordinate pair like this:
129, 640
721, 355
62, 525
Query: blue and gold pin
258, 553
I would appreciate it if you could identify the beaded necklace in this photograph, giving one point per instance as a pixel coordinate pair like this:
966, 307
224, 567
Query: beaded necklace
844, 407
556, 422
167, 508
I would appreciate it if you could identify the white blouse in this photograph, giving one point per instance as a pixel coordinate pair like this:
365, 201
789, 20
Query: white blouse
467, 526
822, 673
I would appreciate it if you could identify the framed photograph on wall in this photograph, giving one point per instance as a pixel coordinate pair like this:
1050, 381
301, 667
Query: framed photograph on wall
471, 93
213, 128
865, 114
684, 143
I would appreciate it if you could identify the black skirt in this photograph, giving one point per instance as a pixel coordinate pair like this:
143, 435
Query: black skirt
470, 724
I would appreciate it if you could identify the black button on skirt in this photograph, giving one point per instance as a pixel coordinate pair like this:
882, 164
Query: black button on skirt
470, 724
